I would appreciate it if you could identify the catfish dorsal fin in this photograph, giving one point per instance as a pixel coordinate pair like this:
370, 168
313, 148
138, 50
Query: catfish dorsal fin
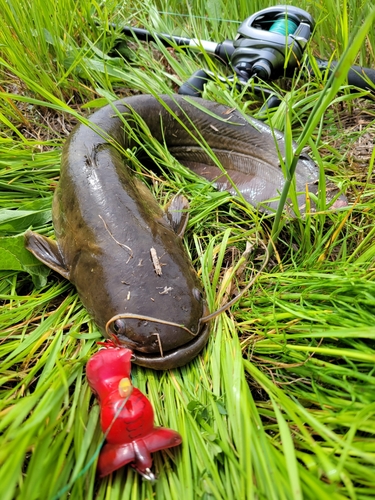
47, 251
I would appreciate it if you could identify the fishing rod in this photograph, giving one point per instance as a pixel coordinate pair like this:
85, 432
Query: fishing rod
269, 44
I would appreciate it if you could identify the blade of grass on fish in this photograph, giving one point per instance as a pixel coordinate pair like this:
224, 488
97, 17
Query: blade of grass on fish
142, 136
191, 129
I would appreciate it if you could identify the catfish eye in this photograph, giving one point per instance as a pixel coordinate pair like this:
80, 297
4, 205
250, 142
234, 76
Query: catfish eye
119, 327
197, 294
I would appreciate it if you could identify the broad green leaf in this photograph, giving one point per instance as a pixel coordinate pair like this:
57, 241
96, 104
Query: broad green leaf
15, 257
17, 221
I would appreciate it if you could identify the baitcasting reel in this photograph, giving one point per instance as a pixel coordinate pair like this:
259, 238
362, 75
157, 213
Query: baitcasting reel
269, 44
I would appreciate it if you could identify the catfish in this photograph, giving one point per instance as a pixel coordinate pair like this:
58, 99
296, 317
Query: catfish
122, 252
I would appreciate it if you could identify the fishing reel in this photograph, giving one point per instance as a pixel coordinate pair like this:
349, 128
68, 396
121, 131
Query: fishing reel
269, 44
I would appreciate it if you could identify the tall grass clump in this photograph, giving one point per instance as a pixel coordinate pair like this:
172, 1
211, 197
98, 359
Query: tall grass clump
280, 404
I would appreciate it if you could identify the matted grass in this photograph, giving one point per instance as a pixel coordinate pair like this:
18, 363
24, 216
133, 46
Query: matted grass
280, 404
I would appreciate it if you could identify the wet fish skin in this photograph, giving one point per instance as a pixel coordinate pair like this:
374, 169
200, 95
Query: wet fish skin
106, 221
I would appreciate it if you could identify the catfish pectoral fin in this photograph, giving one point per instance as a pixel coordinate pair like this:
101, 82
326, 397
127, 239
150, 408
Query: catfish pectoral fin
177, 214
47, 251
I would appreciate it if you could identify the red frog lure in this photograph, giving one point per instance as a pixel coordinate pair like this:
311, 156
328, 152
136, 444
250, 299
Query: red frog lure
127, 417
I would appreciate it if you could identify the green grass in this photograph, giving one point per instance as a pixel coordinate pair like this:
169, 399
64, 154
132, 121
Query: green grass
280, 404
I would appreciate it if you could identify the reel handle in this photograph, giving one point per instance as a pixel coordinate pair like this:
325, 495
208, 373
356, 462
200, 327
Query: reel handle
363, 78
195, 85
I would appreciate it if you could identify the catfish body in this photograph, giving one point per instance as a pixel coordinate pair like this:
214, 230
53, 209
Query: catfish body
115, 244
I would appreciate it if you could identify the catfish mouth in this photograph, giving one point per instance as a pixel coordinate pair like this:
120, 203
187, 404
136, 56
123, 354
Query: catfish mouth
175, 357
166, 359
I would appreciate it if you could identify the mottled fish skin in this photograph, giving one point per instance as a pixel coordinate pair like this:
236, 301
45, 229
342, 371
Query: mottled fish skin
109, 227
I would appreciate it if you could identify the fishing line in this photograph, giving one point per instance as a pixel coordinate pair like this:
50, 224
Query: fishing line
199, 17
